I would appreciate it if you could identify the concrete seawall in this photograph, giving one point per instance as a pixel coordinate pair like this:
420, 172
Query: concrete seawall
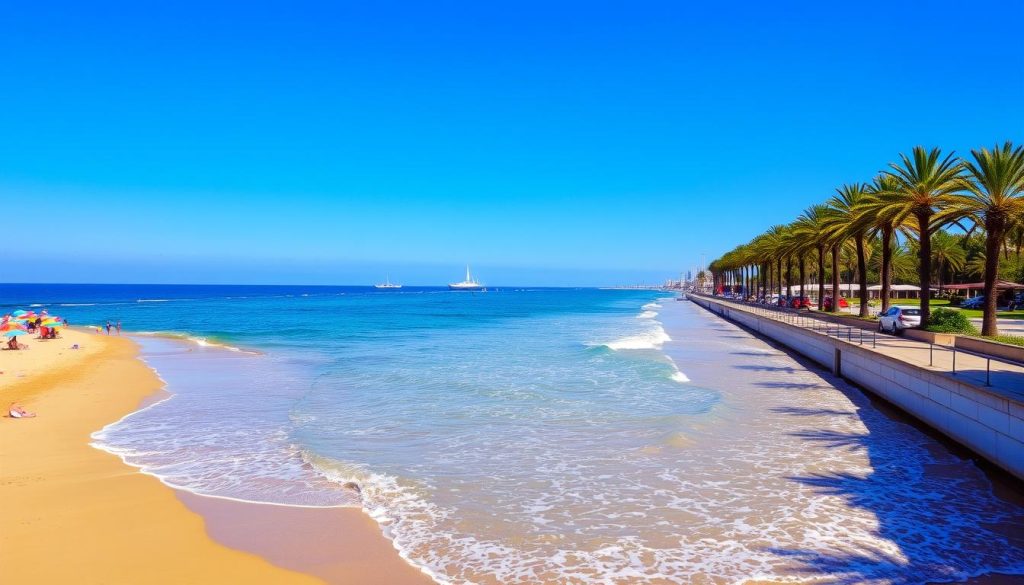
988, 422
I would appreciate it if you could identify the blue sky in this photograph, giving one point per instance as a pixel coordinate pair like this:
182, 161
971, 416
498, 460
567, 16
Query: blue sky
545, 143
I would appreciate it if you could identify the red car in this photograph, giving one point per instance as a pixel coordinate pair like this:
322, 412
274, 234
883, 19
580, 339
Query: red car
827, 304
800, 303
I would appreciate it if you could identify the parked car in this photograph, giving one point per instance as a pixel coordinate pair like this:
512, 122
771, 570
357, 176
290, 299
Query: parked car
827, 303
973, 302
800, 303
898, 318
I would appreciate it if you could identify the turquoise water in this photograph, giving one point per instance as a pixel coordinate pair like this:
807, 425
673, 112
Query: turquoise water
542, 436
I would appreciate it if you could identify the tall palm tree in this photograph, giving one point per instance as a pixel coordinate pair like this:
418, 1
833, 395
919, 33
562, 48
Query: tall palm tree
947, 253
885, 225
775, 238
926, 187
811, 227
995, 199
852, 222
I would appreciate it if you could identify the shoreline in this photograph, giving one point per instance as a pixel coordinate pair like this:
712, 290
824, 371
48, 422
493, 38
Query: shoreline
63, 498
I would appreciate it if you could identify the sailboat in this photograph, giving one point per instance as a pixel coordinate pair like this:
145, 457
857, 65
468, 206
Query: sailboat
468, 284
387, 284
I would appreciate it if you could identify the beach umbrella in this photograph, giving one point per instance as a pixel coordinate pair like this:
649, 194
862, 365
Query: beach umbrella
13, 333
18, 313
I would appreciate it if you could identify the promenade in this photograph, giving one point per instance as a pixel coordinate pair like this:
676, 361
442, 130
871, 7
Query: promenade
975, 400
1004, 378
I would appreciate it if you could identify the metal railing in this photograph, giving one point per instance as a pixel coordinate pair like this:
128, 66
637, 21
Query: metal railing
802, 318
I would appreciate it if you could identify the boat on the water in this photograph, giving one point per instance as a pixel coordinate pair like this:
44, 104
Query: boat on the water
469, 284
387, 284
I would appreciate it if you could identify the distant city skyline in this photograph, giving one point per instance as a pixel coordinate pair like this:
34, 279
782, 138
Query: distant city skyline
571, 144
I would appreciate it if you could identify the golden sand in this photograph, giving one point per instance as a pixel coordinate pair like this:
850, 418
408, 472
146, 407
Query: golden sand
74, 514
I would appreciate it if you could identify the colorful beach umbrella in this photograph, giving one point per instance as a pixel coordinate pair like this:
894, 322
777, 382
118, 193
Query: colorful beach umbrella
13, 333
18, 313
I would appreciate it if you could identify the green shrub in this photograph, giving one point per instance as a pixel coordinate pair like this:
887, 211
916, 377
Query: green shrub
950, 321
955, 300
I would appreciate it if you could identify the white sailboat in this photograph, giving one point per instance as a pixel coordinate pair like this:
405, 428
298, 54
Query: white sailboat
387, 284
468, 284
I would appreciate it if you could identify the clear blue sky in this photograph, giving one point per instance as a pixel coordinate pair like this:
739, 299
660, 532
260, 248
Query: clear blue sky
546, 143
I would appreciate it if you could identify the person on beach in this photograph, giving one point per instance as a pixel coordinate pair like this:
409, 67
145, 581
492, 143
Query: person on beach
12, 343
118, 328
16, 411
108, 327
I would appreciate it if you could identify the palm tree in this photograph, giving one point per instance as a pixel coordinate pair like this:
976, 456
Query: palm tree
852, 222
995, 186
885, 225
926, 187
775, 239
811, 228
947, 253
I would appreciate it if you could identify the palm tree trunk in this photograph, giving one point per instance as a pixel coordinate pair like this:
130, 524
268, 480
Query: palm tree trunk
835, 278
803, 276
995, 227
862, 274
789, 276
886, 266
924, 254
778, 275
821, 277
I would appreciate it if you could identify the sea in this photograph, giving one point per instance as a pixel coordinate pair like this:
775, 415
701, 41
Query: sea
543, 435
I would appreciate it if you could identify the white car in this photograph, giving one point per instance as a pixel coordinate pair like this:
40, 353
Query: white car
898, 318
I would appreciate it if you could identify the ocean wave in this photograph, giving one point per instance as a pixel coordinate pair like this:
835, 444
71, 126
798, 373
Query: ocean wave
679, 377
77, 304
196, 339
647, 315
152, 300
651, 306
652, 339
405, 516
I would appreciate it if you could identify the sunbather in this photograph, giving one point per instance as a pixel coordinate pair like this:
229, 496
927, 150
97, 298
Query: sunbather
16, 411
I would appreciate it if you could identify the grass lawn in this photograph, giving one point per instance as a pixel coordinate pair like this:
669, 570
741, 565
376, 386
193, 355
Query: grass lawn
977, 314
1011, 339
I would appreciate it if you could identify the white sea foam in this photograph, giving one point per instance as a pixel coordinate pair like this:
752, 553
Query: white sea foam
152, 300
196, 339
647, 315
680, 377
651, 339
77, 305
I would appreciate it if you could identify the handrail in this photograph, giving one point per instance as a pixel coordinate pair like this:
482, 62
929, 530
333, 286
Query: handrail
831, 329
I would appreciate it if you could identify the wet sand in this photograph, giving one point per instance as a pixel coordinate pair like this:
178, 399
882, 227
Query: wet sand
74, 514
338, 545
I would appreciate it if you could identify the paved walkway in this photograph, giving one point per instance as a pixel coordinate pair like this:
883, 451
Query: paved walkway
1003, 378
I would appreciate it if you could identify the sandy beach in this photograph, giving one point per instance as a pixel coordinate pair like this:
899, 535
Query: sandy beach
107, 523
